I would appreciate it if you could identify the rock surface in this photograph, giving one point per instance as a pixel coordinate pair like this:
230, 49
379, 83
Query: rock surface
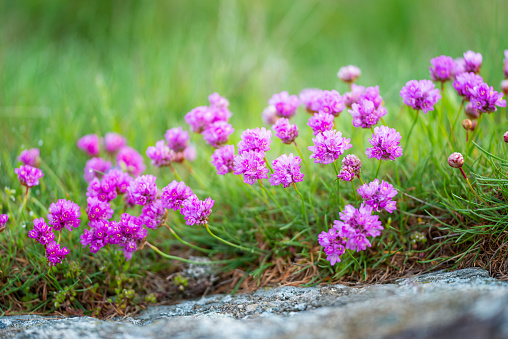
461, 304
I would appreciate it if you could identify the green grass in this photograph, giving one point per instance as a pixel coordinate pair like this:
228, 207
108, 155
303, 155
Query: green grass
69, 69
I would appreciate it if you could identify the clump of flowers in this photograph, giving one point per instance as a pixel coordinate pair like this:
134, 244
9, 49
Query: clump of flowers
98, 210
378, 195
308, 98
128, 234
199, 118
330, 102
220, 106
28, 176
196, 211
143, 190
257, 139
217, 134
285, 131
456, 160
285, 104
3, 221
177, 139
334, 245
174, 194
113, 142
420, 95
97, 236
372, 94
252, 165
160, 154
269, 115
95, 168
30, 157
120, 179
485, 99
466, 81
286, 170
223, 159
385, 142
354, 95
129, 160
351, 167
471, 111
90, 144
365, 114
320, 122
55, 254
442, 68
104, 190
64, 213
41, 232
472, 62
505, 138
349, 73
153, 214
328, 146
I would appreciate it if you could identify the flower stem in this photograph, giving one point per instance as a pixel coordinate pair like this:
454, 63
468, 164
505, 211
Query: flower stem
22, 207
175, 173
187, 243
412, 126
185, 260
383, 121
469, 183
354, 192
378, 167
194, 174
457, 118
268, 165
251, 250
301, 156
338, 182
271, 197
304, 212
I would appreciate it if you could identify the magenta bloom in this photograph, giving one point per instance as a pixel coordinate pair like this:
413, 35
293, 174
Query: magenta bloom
464, 82
64, 213
200, 118
328, 146
365, 114
3, 220
104, 190
349, 73
352, 97
505, 63
223, 159
127, 234
333, 245
55, 254
177, 139
189, 153
218, 133
269, 115
286, 170
378, 195
252, 165
385, 142
121, 180
95, 168
285, 131
97, 236
153, 214
30, 157
129, 160
196, 211
320, 122
143, 190
257, 139
28, 176
41, 232
113, 142
308, 98
285, 104
372, 94
351, 167
504, 86
442, 68
485, 99
330, 102
420, 95
160, 154
471, 111
174, 194
217, 101
472, 62
98, 210
357, 225
90, 145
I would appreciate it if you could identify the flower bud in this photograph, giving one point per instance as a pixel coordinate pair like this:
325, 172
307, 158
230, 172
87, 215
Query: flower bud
505, 137
456, 160
467, 124
472, 112
504, 86
473, 126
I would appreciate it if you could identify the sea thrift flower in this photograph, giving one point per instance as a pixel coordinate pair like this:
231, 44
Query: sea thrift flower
97, 236
223, 159
464, 82
285, 131
113, 142
28, 176
143, 189
334, 245
177, 139
127, 234
89, 144
505, 63
55, 254
153, 214
64, 213
95, 168
30, 157
442, 68
189, 153
257, 139
460, 67
385, 142
372, 94
328, 146
357, 225
349, 73
308, 98
196, 211
160, 154
505, 136
285, 104
217, 101
199, 118
121, 180
98, 210
41, 232
467, 124
129, 160
378, 195
104, 190
269, 115
472, 62
504, 86
252, 165
329, 102
471, 111
354, 95
456, 160
320, 122
218, 133
174, 194
286, 170
365, 114
485, 99
3, 220
351, 167
420, 95
346, 173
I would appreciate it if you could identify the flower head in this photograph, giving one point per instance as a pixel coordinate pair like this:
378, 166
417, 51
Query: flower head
351, 167
504, 86
308, 98
189, 153
128, 234
321, 122
334, 245
456, 160
177, 139
199, 118
252, 165
41, 232
153, 214
460, 67
471, 111
196, 211
330, 102
285, 104
378, 195
28, 176
30, 157
505, 137
328, 146
420, 95
464, 82
472, 62
95, 168
218, 133
129, 160
174, 194
3, 220
371, 94
98, 210
442, 68
64, 213
55, 254
365, 114
121, 180
286, 170
485, 99
269, 115
160, 154
97, 236
217, 101
354, 95
223, 159
143, 190
113, 142
90, 145
349, 73
285, 131
257, 139
385, 142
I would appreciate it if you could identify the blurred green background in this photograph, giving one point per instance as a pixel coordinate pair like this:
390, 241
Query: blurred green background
68, 68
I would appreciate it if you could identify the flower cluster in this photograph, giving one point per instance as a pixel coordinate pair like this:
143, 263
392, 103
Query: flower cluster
217, 134
55, 254
385, 142
349, 73
97, 236
334, 245
41, 232
160, 154
177, 139
466, 81
130, 161
3, 220
153, 214
252, 165
143, 189
113, 142
354, 95
200, 118
285, 104
378, 195
174, 194
365, 114
90, 145
286, 170
351, 167
320, 122
98, 210
95, 168
285, 131
308, 98
30, 157
442, 68
257, 139
420, 95
485, 99
28, 176
472, 62
269, 115
196, 211
330, 102
328, 146
64, 213
223, 159
128, 234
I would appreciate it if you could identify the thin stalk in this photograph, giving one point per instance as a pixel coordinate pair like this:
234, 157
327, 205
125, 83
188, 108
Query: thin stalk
187, 243
354, 192
378, 167
194, 174
338, 182
467, 180
20, 211
412, 126
167, 256
250, 250
175, 173
272, 197
457, 118
303, 159
383, 121
268, 165
304, 212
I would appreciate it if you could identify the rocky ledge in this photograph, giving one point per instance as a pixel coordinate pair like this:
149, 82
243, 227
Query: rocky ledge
460, 304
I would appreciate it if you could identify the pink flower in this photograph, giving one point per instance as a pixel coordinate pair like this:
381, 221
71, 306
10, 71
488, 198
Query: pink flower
328, 146
113, 142
90, 145
30, 157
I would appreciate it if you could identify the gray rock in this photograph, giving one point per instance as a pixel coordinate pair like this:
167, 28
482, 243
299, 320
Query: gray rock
461, 304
